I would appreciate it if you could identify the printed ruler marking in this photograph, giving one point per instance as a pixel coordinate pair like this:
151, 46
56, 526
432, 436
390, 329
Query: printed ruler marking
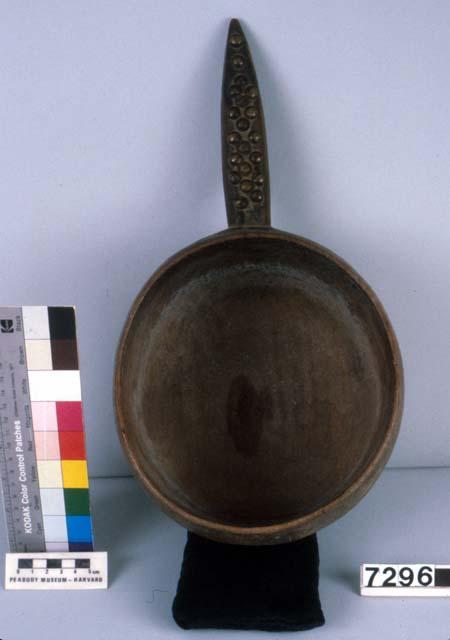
20, 486
7, 496
56, 570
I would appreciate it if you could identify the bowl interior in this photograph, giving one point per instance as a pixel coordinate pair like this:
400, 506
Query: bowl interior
256, 381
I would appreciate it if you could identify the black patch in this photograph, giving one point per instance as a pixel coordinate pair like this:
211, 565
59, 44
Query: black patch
62, 323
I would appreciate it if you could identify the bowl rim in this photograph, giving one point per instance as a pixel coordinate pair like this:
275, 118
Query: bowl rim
295, 528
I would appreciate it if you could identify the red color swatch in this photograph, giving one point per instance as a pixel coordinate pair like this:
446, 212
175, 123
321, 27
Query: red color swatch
69, 415
71, 445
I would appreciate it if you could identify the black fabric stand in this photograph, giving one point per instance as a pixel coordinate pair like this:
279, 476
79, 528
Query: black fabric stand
266, 588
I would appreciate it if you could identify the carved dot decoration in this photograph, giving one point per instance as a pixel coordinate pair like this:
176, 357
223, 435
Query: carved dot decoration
242, 124
237, 61
246, 185
257, 196
236, 39
244, 150
241, 203
234, 137
240, 79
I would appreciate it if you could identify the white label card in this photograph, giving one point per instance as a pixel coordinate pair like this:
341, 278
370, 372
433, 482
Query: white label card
57, 570
405, 580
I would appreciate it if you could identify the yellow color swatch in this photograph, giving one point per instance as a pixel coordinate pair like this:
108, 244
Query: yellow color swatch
75, 475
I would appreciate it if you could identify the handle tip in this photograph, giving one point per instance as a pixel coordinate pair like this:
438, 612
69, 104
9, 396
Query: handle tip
235, 24
236, 36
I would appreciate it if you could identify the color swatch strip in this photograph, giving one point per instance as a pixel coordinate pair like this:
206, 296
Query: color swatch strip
57, 414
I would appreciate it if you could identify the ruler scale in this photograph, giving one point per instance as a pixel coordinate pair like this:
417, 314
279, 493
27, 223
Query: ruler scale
20, 485
70, 570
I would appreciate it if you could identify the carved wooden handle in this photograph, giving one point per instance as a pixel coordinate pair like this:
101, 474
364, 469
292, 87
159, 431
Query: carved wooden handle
244, 148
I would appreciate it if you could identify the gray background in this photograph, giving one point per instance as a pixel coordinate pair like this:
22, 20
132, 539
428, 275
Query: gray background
110, 162
403, 519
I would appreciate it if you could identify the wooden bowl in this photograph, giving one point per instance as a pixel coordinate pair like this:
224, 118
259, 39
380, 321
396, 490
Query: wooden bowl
258, 387
258, 383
